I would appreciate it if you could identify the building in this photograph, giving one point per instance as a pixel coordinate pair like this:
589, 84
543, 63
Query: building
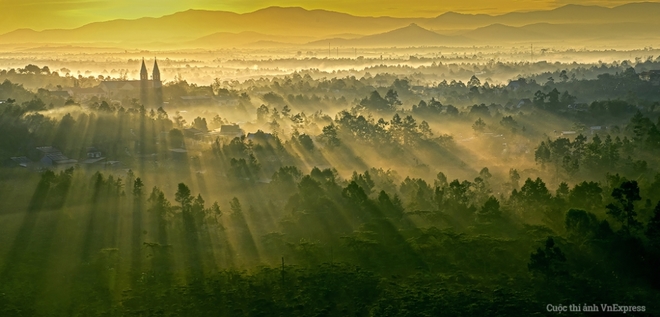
516, 84
597, 129
21, 161
150, 91
179, 154
59, 93
197, 100
260, 136
231, 130
53, 157
525, 102
652, 76
86, 93
93, 156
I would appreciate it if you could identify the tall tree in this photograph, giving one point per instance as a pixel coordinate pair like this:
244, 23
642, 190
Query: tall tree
549, 261
183, 197
623, 209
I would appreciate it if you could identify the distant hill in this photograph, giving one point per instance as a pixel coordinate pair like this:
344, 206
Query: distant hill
226, 39
575, 32
193, 24
644, 12
503, 33
411, 35
201, 28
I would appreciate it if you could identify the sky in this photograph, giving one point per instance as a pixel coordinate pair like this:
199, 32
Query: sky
44, 14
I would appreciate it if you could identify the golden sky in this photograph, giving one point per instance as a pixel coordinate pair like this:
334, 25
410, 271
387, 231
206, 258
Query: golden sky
42, 14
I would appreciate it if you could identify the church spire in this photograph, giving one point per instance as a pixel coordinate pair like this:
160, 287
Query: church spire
144, 76
156, 74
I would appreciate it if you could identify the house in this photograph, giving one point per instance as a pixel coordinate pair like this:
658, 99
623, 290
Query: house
179, 154
60, 93
120, 87
93, 152
22, 161
596, 129
417, 88
231, 130
578, 107
260, 136
226, 101
193, 133
93, 156
197, 100
515, 84
86, 93
53, 157
113, 165
92, 161
652, 75
524, 103
568, 132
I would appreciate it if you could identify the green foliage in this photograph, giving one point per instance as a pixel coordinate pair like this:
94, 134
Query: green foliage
623, 209
479, 126
183, 196
549, 261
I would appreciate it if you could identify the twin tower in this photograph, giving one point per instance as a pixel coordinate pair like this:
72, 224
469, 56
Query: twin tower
151, 91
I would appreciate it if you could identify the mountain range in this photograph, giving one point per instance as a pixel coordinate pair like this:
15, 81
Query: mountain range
295, 26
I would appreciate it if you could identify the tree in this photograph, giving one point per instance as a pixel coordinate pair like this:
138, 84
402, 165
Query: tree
479, 126
200, 124
183, 197
567, 99
364, 180
535, 192
451, 110
138, 186
376, 102
159, 204
306, 141
235, 206
161, 114
440, 180
539, 99
553, 99
623, 209
354, 193
425, 130
653, 230
549, 261
474, 82
392, 98
176, 138
485, 174
490, 209
542, 154
216, 212
514, 178
262, 113
329, 136
581, 225
392, 208
586, 195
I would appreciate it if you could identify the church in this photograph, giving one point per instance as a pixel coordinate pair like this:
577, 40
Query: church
150, 90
